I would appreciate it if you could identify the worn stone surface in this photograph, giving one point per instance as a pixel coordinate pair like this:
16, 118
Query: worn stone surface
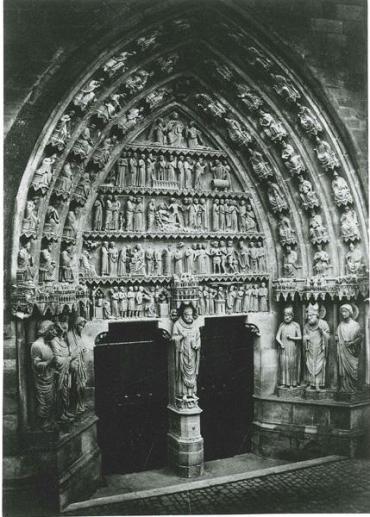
331, 488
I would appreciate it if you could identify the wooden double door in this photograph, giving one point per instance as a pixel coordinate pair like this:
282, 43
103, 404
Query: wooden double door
131, 376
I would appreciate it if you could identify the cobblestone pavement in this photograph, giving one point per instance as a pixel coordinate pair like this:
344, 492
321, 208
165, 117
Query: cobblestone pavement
342, 486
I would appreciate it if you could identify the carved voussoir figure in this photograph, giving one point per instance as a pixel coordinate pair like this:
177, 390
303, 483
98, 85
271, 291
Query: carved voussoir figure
186, 338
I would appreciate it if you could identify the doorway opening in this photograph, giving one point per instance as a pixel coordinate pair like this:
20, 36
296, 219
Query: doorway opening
225, 387
131, 398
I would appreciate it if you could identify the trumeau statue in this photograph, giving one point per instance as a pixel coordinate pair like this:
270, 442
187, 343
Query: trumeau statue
186, 338
289, 339
43, 363
349, 339
342, 194
309, 121
316, 334
354, 261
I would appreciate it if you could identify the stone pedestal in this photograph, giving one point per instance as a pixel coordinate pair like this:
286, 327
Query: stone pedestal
185, 443
302, 429
68, 464
290, 393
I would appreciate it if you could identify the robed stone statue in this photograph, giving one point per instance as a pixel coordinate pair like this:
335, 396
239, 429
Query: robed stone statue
349, 340
289, 339
186, 337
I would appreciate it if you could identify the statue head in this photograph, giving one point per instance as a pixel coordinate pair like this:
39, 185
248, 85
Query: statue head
79, 324
288, 314
346, 312
313, 313
62, 325
46, 329
187, 312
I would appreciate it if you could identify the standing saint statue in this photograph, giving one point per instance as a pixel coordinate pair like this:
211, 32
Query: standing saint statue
78, 369
186, 337
43, 363
348, 338
63, 359
316, 334
289, 337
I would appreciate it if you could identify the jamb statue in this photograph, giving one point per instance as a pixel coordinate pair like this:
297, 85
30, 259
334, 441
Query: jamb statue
316, 334
348, 338
289, 337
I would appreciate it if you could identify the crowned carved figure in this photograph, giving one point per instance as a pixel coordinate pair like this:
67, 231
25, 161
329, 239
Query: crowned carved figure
349, 339
316, 335
186, 338
289, 339
43, 367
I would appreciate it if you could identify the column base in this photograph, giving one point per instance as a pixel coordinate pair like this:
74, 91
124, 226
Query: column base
185, 443
68, 465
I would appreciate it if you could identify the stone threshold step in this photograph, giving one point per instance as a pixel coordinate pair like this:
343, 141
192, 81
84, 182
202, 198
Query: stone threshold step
201, 483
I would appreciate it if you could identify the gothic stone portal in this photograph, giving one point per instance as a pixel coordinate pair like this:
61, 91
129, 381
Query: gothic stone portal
172, 190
